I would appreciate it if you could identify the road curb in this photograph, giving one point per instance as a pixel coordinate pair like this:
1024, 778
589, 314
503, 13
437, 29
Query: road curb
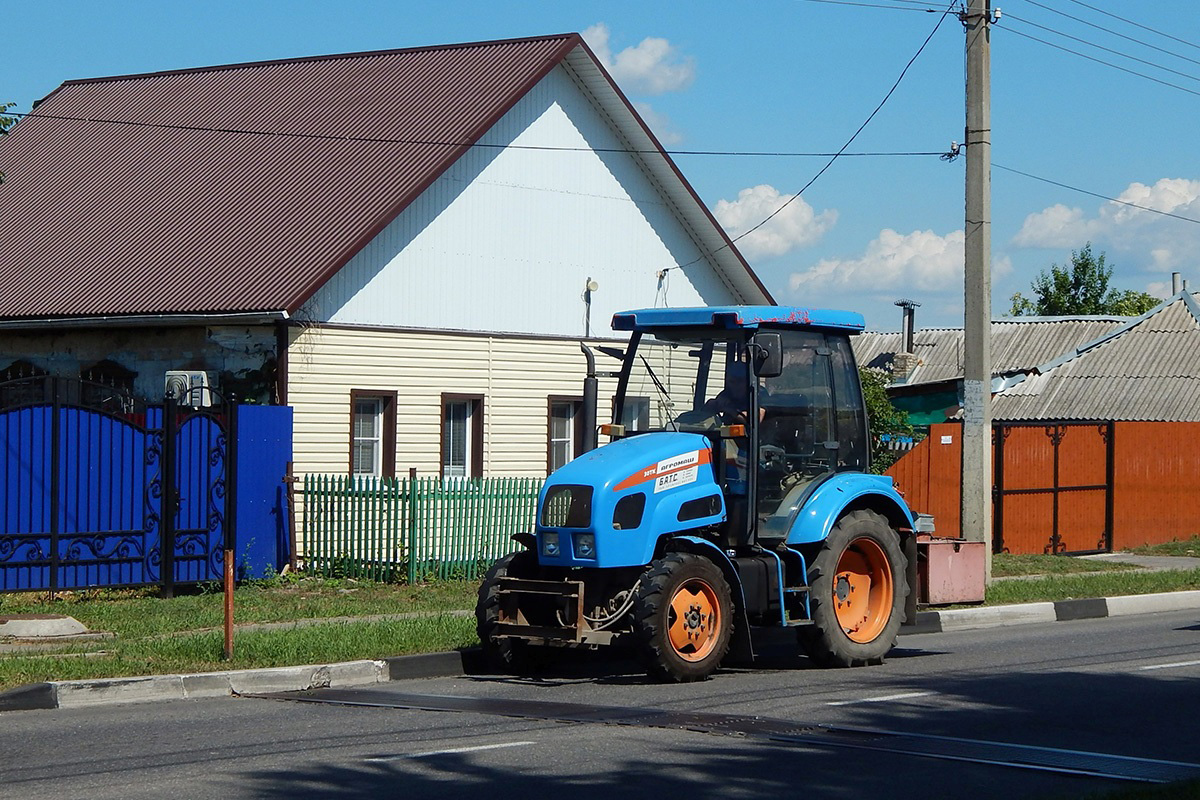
961, 619
79, 694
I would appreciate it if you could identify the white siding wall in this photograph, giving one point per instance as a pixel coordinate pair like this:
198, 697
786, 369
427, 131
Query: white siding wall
515, 375
506, 239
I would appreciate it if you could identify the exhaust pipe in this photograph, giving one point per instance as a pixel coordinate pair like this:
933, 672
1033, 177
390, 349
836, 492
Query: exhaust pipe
590, 388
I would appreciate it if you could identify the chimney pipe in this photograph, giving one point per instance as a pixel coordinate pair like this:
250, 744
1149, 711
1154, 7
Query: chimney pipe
1176, 283
907, 323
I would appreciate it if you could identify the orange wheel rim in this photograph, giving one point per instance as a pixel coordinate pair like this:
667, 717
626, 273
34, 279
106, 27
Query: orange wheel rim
863, 590
694, 620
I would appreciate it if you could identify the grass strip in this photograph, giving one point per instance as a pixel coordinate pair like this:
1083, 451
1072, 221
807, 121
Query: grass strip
1177, 547
1106, 584
141, 613
201, 652
1006, 565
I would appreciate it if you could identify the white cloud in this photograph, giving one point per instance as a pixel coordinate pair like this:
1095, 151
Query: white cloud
794, 226
1056, 226
659, 123
653, 66
921, 260
1155, 243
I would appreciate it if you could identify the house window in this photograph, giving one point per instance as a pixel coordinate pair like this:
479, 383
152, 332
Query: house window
565, 422
373, 433
635, 414
462, 436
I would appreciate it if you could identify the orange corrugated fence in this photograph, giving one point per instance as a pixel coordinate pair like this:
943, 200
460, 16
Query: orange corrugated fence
1153, 467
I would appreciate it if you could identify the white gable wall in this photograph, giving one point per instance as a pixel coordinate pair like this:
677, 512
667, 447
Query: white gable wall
506, 239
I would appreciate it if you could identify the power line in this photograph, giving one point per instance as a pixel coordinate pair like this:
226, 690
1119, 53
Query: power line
1106, 49
440, 143
849, 141
1137, 24
1095, 194
1102, 61
870, 5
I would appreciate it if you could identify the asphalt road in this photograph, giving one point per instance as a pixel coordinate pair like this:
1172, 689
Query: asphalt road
1128, 686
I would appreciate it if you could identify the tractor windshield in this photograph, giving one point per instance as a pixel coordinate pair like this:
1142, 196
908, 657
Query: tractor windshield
689, 380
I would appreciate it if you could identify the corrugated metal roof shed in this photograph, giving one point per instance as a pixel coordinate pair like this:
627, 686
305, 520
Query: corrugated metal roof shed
243, 188
1018, 344
1149, 370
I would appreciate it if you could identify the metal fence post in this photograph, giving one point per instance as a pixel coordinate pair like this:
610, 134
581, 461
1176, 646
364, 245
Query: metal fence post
169, 504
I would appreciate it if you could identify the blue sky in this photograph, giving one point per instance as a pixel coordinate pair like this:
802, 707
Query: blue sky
792, 76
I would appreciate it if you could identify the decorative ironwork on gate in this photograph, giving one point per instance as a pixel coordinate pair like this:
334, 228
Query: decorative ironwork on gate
100, 489
1061, 500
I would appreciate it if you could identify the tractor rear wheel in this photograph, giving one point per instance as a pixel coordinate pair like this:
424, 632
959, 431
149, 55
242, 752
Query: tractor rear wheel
683, 615
858, 588
507, 656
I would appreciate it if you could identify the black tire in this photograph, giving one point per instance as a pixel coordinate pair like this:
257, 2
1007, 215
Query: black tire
861, 556
506, 656
683, 616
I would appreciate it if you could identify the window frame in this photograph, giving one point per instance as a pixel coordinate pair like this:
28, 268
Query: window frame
475, 411
577, 433
637, 398
387, 435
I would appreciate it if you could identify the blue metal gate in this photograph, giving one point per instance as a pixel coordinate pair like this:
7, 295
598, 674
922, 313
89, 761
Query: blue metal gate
97, 489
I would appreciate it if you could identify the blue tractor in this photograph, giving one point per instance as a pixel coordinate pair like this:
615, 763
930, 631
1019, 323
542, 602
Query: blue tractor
733, 494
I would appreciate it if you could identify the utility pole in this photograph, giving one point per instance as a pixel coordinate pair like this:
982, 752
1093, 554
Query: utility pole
977, 351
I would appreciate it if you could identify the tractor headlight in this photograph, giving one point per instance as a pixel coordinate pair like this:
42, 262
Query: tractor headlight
550, 544
585, 545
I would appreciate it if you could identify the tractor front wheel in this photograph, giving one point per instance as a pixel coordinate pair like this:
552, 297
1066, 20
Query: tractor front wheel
683, 615
505, 656
858, 588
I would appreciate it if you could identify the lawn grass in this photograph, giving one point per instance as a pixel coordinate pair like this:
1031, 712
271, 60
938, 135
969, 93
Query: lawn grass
1006, 565
201, 652
1177, 547
137, 613
1102, 584
153, 635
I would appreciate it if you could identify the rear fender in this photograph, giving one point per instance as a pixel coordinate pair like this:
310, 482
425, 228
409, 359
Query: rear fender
844, 492
740, 646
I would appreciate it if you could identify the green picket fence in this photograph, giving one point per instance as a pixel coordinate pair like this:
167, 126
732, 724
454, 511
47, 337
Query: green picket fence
412, 529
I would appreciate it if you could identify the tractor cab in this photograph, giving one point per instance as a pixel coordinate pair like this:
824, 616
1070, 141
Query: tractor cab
779, 398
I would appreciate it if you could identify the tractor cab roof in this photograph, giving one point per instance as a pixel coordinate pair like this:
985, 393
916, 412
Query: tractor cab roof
733, 317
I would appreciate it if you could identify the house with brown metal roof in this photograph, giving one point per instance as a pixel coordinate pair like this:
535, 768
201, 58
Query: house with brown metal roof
406, 245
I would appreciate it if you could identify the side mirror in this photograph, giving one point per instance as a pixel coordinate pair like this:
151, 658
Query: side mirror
767, 355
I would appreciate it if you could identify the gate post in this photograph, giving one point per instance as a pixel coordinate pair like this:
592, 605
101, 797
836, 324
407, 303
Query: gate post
999, 434
55, 478
169, 500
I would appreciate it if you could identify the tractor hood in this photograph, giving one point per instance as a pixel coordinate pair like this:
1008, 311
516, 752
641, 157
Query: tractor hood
628, 463
608, 507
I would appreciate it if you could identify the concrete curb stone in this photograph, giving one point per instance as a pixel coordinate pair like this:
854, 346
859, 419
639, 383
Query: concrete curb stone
78, 694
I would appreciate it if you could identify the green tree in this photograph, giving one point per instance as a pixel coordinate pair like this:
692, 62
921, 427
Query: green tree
883, 417
6, 122
1080, 288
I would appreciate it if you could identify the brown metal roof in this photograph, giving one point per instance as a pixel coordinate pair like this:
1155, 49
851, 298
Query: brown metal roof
218, 199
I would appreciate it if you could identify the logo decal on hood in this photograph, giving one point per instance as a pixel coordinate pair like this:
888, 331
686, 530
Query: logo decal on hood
674, 471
